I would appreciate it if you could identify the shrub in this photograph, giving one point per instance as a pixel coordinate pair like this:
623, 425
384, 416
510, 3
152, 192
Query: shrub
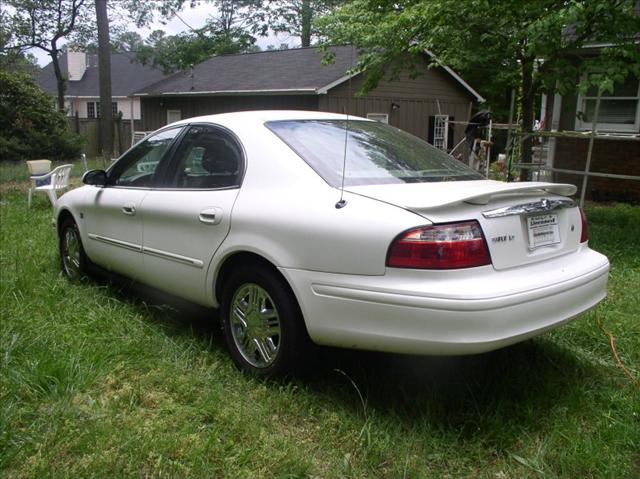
30, 126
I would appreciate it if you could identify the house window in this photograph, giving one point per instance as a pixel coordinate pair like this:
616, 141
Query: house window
381, 117
93, 109
441, 131
173, 116
619, 109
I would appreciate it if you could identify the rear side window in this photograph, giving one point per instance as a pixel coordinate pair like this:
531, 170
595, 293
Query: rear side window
375, 153
207, 158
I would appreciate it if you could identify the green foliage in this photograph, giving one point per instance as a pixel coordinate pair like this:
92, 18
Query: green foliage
30, 126
43, 24
127, 42
19, 62
296, 17
496, 46
177, 52
11, 59
231, 30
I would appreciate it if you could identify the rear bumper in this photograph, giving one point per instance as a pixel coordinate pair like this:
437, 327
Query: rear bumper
448, 312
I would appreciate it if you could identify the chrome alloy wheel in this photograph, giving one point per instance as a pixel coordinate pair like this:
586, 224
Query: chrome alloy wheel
255, 325
71, 253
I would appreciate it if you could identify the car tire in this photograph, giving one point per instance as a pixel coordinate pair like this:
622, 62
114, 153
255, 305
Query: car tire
262, 324
73, 259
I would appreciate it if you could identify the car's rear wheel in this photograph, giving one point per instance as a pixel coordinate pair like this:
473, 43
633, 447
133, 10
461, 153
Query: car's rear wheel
73, 258
262, 323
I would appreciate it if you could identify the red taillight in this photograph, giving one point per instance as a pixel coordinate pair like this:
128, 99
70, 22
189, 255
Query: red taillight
448, 246
584, 235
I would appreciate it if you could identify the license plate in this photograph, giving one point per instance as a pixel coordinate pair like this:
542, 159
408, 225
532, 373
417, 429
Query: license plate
543, 230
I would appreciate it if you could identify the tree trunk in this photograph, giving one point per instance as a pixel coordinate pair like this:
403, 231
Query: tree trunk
60, 81
306, 15
527, 103
104, 65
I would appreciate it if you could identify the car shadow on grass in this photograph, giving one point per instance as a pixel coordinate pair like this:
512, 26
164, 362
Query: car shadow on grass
495, 399
494, 396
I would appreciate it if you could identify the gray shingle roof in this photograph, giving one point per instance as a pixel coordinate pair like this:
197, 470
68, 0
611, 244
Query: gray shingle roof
127, 76
298, 69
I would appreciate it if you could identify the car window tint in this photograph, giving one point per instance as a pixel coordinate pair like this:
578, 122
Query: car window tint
138, 166
375, 153
207, 158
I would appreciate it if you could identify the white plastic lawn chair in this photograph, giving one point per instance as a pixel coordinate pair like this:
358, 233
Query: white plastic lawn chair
51, 183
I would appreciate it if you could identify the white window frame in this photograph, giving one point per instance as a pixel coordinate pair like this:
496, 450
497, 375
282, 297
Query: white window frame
381, 117
170, 112
441, 138
614, 127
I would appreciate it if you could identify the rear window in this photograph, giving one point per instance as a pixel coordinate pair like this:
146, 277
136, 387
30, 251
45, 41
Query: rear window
375, 153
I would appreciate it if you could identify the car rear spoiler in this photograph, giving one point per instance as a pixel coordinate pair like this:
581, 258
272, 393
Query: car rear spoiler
561, 189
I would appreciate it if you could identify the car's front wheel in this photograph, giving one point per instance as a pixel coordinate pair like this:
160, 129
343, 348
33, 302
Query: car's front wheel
262, 323
73, 258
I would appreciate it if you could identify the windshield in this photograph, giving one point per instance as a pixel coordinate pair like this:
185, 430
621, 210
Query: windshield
375, 153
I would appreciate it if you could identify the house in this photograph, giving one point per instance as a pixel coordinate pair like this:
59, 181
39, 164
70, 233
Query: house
615, 157
426, 105
82, 96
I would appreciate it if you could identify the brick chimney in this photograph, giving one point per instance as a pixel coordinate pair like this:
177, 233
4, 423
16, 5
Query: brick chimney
76, 64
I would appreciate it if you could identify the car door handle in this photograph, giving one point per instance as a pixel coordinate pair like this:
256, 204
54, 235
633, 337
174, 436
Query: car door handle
129, 209
210, 216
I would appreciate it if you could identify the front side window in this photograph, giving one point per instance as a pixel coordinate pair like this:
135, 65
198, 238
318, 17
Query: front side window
619, 109
375, 153
138, 166
207, 158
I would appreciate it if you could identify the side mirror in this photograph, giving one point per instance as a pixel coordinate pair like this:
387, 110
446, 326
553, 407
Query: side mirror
95, 178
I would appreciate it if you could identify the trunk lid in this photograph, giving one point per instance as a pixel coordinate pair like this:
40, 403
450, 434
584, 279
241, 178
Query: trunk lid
522, 222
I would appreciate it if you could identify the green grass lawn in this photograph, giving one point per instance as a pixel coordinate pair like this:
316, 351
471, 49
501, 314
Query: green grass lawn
102, 380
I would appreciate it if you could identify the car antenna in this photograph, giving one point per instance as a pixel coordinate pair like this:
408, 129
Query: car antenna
342, 202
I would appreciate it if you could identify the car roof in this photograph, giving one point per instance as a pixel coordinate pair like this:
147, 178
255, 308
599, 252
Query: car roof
266, 115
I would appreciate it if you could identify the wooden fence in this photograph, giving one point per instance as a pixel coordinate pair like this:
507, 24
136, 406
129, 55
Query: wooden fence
89, 129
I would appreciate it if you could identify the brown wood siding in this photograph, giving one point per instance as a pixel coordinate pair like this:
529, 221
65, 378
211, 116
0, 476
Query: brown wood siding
431, 93
431, 83
609, 156
411, 116
154, 110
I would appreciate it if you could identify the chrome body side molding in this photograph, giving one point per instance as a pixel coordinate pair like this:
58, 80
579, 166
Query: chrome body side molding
173, 257
196, 263
115, 242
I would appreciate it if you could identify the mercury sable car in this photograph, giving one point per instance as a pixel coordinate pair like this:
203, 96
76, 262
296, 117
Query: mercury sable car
307, 227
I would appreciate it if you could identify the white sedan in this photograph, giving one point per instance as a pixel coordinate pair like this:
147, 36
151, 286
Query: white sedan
307, 227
